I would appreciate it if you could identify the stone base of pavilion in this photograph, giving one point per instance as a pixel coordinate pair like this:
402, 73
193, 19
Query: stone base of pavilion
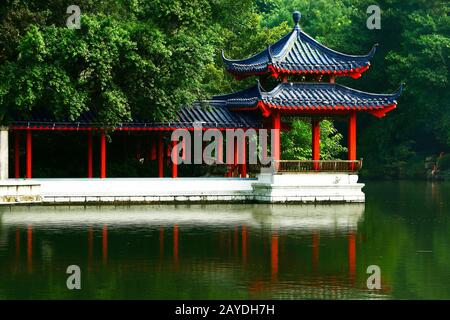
267, 188
19, 191
308, 187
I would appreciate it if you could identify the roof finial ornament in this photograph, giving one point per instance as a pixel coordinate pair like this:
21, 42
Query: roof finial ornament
296, 15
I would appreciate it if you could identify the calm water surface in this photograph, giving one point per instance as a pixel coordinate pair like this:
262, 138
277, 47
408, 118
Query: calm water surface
234, 251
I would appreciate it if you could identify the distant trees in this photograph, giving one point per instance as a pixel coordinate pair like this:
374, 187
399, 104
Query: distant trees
146, 58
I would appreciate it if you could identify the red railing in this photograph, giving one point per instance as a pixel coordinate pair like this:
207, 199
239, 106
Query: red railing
300, 166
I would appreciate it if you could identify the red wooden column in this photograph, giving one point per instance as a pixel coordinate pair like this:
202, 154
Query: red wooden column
160, 156
276, 125
16, 154
243, 166
315, 126
89, 155
352, 139
219, 156
103, 154
174, 161
29, 155
352, 136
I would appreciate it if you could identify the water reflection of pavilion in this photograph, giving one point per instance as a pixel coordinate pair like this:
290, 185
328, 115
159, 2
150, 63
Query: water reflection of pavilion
233, 228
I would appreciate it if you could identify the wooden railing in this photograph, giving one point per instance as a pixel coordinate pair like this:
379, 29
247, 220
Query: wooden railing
299, 166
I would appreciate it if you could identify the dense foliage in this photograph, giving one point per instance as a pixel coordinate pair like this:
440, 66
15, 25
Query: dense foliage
146, 58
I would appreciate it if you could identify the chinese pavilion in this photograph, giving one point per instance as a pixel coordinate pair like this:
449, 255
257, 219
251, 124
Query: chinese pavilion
295, 55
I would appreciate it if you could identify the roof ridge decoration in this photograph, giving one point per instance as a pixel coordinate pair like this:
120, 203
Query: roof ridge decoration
299, 53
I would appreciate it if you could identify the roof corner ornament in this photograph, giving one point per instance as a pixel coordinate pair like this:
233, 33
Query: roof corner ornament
296, 15
269, 50
224, 59
373, 50
260, 88
399, 90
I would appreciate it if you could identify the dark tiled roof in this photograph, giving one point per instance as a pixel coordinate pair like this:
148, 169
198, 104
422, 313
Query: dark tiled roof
297, 52
209, 114
309, 96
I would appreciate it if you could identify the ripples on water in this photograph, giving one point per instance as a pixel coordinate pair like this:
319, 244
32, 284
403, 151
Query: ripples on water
233, 251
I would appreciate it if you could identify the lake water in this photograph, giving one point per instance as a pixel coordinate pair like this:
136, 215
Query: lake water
234, 251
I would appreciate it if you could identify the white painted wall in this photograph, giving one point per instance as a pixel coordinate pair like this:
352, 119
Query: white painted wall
4, 151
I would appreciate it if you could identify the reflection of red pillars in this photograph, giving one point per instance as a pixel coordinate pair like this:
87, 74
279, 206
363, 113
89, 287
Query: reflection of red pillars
90, 243
244, 244
315, 126
89, 156
29, 155
315, 250
174, 161
30, 249
175, 244
17, 243
235, 241
16, 154
274, 256
160, 156
161, 242
352, 255
103, 155
105, 243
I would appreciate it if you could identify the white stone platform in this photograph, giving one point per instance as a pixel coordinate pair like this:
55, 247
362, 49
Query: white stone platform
268, 188
19, 191
308, 187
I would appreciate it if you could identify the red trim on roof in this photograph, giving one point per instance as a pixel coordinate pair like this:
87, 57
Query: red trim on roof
354, 73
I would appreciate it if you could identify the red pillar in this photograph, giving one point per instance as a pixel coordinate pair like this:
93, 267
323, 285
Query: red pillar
174, 161
276, 125
220, 149
315, 126
89, 156
352, 136
103, 155
16, 154
29, 155
160, 156
243, 166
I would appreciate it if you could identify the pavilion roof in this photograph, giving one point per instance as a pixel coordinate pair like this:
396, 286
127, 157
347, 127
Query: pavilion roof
208, 114
296, 53
310, 98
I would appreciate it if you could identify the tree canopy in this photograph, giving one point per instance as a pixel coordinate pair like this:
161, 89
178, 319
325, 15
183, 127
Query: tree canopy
147, 58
